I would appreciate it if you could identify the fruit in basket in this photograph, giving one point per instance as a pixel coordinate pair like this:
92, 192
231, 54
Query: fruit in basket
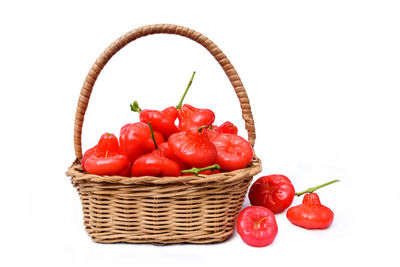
226, 127
126, 172
211, 134
105, 158
162, 121
108, 144
135, 140
195, 143
233, 151
257, 226
193, 147
213, 127
163, 150
191, 118
154, 165
106, 165
274, 192
90, 152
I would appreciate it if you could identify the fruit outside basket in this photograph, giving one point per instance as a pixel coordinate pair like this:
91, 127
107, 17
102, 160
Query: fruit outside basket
161, 210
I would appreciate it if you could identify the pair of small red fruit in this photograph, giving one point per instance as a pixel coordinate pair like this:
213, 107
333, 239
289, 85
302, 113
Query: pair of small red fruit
155, 146
273, 194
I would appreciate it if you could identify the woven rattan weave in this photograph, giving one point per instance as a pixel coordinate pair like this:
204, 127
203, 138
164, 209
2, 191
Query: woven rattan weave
161, 210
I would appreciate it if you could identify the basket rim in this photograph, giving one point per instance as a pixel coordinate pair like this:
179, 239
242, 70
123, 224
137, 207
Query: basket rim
78, 176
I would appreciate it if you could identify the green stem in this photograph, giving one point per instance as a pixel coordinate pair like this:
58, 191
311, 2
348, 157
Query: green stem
312, 189
187, 89
135, 107
202, 127
196, 170
153, 136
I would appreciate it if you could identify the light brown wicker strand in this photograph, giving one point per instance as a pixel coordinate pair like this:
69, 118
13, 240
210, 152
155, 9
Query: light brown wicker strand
156, 29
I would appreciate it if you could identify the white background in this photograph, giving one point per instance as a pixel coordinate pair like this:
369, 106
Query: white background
323, 80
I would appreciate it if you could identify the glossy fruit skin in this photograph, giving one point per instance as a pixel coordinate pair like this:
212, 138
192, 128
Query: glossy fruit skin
110, 165
108, 145
135, 140
154, 165
161, 121
126, 172
233, 151
311, 214
90, 152
274, 192
227, 127
105, 158
164, 151
213, 127
191, 118
257, 226
171, 112
193, 148
212, 134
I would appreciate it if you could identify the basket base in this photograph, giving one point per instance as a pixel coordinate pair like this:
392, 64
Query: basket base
165, 240
160, 211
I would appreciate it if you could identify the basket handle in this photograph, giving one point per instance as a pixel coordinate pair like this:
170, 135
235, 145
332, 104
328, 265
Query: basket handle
156, 29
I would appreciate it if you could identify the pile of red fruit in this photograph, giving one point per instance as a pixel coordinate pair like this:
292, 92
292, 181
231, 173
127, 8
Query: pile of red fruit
273, 194
156, 146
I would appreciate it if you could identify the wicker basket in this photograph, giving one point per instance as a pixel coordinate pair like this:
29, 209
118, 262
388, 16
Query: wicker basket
161, 210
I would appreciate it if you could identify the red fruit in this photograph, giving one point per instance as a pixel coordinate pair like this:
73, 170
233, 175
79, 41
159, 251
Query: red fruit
171, 112
191, 118
126, 172
154, 165
135, 140
257, 226
233, 151
227, 127
274, 192
108, 145
104, 159
164, 151
162, 121
111, 165
193, 148
212, 134
90, 152
311, 214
